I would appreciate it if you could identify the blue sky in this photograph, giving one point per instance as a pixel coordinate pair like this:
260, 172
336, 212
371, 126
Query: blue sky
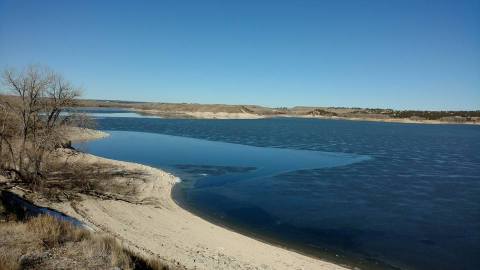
397, 54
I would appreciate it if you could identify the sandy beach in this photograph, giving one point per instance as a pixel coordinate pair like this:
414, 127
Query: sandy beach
224, 115
200, 114
77, 134
150, 222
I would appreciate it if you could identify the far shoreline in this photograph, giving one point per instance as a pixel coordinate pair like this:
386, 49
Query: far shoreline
251, 116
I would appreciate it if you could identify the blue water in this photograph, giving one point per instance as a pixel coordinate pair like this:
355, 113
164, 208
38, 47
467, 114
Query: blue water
366, 193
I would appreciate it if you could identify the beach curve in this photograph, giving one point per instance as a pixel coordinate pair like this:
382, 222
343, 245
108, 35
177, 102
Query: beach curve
152, 223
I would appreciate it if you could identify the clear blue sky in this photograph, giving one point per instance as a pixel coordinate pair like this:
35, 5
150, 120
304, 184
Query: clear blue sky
398, 54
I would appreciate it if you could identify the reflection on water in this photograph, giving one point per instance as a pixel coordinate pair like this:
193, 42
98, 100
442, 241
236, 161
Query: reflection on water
408, 195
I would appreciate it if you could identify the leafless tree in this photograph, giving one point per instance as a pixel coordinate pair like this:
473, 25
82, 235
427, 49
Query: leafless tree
32, 122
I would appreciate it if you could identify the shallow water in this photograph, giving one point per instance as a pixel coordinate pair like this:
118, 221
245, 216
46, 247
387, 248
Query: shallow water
367, 193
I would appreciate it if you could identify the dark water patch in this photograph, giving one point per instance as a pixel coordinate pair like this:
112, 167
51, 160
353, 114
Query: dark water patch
253, 221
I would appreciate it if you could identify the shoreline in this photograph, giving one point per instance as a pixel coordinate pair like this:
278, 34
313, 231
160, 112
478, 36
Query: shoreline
252, 116
198, 115
196, 249
343, 260
155, 225
76, 134
385, 120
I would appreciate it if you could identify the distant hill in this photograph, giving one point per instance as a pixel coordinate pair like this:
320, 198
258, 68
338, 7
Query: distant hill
375, 114
195, 110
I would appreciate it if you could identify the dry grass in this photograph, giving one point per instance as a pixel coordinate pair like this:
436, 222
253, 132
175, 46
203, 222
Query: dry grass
155, 265
67, 178
54, 233
106, 248
16, 240
44, 242
7, 264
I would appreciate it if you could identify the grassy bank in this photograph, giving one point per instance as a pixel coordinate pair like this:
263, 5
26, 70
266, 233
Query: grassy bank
44, 242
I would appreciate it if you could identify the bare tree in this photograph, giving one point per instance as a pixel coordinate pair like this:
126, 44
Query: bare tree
32, 125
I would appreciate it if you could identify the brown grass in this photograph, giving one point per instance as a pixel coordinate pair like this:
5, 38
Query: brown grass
67, 178
107, 248
53, 232
44, 242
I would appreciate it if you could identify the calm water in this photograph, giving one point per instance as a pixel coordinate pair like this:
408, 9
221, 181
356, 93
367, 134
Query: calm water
370, 194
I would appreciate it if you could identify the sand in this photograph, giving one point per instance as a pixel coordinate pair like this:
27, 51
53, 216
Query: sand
155, 225
200, 115
224, 115
76, 134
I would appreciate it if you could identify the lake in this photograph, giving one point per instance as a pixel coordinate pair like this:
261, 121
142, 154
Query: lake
369, 194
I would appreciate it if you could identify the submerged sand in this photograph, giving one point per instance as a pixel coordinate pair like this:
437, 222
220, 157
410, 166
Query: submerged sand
152, 223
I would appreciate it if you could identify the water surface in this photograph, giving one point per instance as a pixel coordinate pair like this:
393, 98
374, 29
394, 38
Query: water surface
385, 194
